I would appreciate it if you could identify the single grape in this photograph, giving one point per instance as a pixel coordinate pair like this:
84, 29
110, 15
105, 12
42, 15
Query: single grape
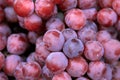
56, 62
11, 63
96, 70
75, 19
17, 43
94, 50
73, 47
42, 10
23, 8
77, 67
107, 17
53, 40
112, 50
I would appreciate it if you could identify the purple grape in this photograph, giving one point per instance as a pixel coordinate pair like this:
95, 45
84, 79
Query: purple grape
73, 48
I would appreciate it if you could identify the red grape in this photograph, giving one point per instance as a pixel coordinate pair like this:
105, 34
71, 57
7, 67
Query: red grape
11, 63
77, 67
107, 17
53, 40
17, 43
27, 71
23, 7
93, 50
112, 50
96, 70
44, 8
56, 62
75, 19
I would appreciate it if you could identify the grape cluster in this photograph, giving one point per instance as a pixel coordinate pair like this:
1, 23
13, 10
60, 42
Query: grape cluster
59, 39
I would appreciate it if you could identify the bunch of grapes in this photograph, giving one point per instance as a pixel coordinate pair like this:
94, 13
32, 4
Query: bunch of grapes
59, 39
